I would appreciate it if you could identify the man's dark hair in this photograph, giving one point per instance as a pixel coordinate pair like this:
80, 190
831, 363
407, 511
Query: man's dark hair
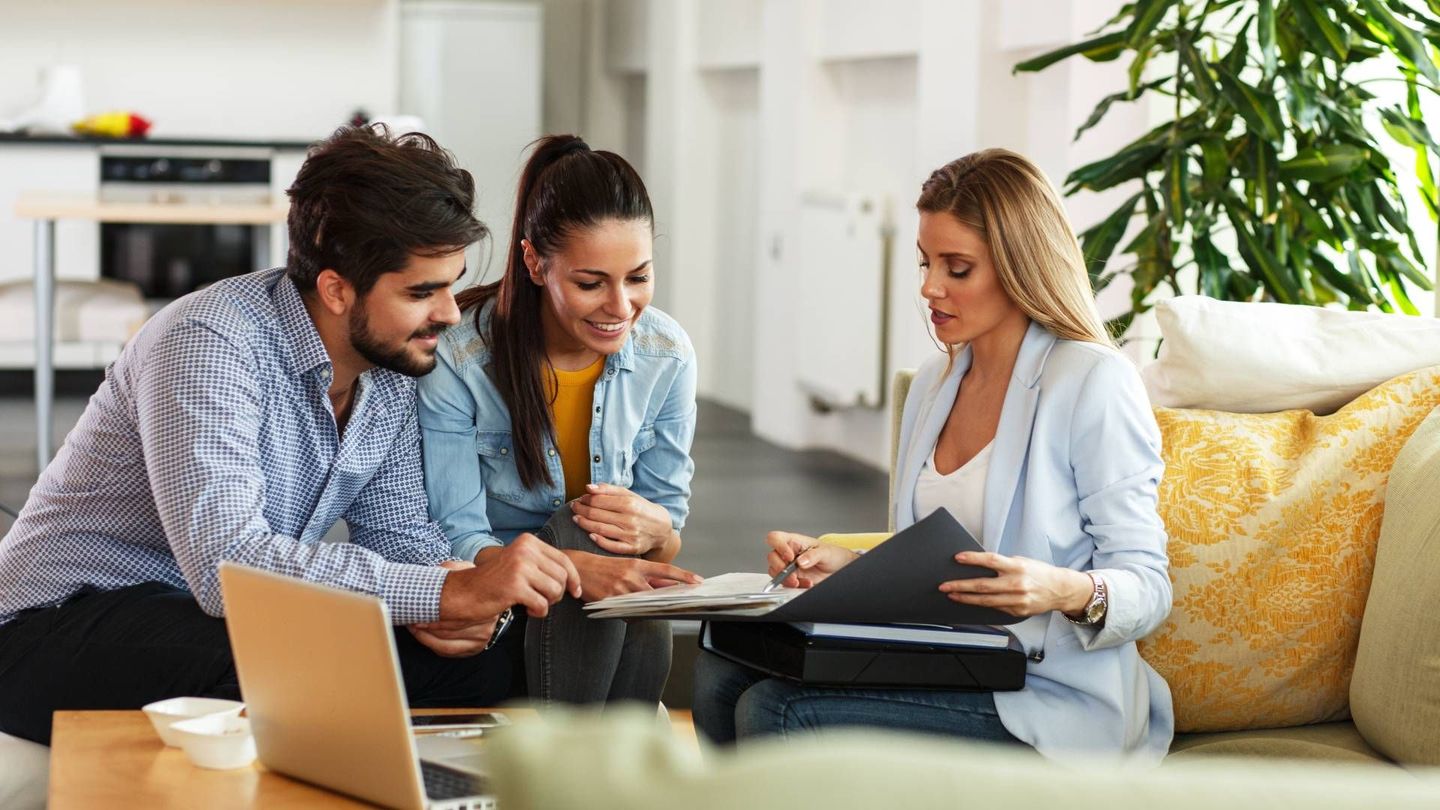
364, 201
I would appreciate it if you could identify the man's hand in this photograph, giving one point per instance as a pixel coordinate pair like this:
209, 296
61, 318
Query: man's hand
529, 572
621, 522
611, 576
454, 639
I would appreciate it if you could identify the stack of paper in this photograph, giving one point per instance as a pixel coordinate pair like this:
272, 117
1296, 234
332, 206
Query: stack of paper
735, 594
925, 634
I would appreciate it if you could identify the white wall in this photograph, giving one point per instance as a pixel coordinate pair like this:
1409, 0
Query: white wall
257, 68
749, 105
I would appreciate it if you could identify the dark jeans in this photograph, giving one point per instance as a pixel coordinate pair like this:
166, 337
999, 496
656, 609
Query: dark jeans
570, 658
735, 702
125, 648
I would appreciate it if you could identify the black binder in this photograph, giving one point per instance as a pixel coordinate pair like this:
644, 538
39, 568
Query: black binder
780, 650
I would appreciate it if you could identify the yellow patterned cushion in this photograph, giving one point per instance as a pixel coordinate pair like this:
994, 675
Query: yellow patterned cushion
1273, 520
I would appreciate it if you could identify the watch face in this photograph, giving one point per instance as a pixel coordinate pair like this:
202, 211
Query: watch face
1096, 611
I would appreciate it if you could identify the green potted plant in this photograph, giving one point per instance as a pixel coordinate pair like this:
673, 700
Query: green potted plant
1269, 179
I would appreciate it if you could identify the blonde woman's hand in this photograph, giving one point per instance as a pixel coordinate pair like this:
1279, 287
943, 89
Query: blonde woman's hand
818, 562
1023, 587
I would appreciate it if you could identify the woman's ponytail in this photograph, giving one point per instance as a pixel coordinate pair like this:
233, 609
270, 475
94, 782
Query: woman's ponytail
565, 187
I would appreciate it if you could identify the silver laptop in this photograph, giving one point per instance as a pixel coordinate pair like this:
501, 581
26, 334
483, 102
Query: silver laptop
322, 686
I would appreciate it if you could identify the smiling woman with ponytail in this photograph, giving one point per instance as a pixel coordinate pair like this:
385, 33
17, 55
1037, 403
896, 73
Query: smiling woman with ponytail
564, 405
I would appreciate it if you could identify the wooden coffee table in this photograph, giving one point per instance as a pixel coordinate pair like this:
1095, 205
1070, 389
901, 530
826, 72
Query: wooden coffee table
115, 760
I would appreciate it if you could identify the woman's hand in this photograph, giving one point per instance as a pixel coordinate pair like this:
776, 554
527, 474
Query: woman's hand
818, 562
1024, 587
621, 522
602, 576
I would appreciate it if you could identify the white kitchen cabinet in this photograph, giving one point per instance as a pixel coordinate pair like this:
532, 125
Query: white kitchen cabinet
57, 168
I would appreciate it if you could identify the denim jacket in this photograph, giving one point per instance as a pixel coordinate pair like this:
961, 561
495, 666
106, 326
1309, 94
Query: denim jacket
640, 433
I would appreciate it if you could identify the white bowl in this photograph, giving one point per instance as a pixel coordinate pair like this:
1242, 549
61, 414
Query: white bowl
219, 741
165, 713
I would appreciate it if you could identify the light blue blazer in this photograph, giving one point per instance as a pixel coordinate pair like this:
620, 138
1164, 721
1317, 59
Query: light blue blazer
1072, 481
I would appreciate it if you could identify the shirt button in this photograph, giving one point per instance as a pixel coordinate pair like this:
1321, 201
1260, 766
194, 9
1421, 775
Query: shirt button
610, 372
504, 451
550, 452
555, 502
597, 408
597, 459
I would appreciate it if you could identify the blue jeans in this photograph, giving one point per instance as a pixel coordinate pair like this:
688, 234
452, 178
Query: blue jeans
735, 702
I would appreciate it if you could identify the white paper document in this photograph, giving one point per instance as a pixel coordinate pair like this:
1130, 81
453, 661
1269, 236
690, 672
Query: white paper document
734, 593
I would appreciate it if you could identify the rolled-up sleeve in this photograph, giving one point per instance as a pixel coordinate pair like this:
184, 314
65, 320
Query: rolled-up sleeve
1115, 454
200, 410
454, 479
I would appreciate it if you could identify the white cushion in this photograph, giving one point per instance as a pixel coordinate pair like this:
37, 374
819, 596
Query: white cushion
104, 311
24, 773
1261, 358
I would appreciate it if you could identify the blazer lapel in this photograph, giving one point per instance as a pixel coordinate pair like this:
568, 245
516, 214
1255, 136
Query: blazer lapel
1012, 443
927, 431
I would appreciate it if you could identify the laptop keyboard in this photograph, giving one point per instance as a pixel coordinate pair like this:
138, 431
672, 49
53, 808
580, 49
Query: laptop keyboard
442, 783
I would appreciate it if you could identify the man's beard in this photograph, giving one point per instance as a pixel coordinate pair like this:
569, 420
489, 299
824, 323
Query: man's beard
394, 358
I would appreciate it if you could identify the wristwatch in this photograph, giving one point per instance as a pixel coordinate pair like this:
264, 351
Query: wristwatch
1094, 613
500, 625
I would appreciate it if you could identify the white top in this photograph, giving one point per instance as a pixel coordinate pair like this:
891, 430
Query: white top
962, 491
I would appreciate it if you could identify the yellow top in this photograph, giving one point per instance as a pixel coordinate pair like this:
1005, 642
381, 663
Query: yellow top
570, 413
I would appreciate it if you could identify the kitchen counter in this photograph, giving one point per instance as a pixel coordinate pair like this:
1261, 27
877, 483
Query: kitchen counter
18, 139
50, 206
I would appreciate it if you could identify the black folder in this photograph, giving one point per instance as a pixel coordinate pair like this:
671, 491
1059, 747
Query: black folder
897, 582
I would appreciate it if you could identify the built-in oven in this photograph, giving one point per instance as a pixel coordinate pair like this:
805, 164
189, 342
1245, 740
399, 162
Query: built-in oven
167, 261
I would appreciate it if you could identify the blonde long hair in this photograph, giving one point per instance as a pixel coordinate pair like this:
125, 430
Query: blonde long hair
1011, 204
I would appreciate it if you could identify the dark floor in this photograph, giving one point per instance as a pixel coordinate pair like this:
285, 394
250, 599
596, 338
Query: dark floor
743, 487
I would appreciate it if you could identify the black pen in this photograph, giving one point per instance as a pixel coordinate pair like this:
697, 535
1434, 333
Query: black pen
785, 572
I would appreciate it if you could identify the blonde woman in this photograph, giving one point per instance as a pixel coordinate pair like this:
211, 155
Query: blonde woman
1037, 436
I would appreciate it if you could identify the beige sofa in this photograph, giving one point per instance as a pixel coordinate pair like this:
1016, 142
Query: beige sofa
1395, 689
628, 761
1381, 758
24, 773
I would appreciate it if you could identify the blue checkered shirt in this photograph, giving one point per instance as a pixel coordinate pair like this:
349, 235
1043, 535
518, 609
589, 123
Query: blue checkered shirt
212, 438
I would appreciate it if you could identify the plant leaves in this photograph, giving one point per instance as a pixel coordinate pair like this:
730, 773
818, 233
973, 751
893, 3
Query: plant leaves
1407, 43
1240, 52
1214, 268
1262, 114
1148, 14
1177, 180
1098, 243
1104, 106
1129, 163
1324, 163
1203, 82
1331, 274
1099, 49
1321, 30
1265, 30
1335, 194
1277, 277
